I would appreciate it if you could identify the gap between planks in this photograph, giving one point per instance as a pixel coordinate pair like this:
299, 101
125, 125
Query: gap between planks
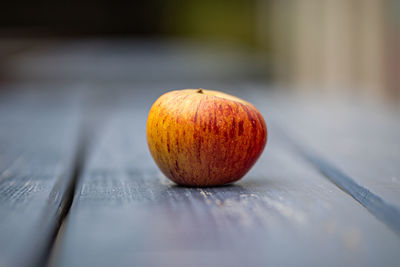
65, 206
384, 212
91, 124
379, 208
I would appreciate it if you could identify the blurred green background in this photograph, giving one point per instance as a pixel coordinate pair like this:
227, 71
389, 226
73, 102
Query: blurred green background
234, 21
331, 47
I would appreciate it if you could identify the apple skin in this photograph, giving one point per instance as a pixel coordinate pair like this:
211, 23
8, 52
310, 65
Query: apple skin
203, 137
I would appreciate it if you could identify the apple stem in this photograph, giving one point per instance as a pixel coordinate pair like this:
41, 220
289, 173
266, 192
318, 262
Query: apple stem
200, 91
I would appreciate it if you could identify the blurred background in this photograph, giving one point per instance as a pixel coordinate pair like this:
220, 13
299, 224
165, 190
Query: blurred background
330, 47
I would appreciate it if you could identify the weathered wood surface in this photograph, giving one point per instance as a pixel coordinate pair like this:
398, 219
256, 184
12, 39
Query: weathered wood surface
38, 134
97, 61
360, 138
284, 212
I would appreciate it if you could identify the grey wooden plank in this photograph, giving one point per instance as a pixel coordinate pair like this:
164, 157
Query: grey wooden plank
284, 212
38, 136
134, 60
359, 137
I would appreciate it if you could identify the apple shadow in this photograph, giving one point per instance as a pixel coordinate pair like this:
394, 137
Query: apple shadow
247, 188
260, 183
249, 185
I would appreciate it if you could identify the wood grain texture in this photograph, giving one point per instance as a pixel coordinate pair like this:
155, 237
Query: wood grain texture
125, 213
360, 138
37, 147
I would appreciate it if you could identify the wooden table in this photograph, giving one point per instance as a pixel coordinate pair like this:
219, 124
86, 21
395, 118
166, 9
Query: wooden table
78, 186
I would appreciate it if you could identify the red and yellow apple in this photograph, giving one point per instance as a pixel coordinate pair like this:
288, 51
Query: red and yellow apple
203, 137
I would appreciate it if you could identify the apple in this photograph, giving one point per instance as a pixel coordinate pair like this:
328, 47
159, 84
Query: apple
201, 137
